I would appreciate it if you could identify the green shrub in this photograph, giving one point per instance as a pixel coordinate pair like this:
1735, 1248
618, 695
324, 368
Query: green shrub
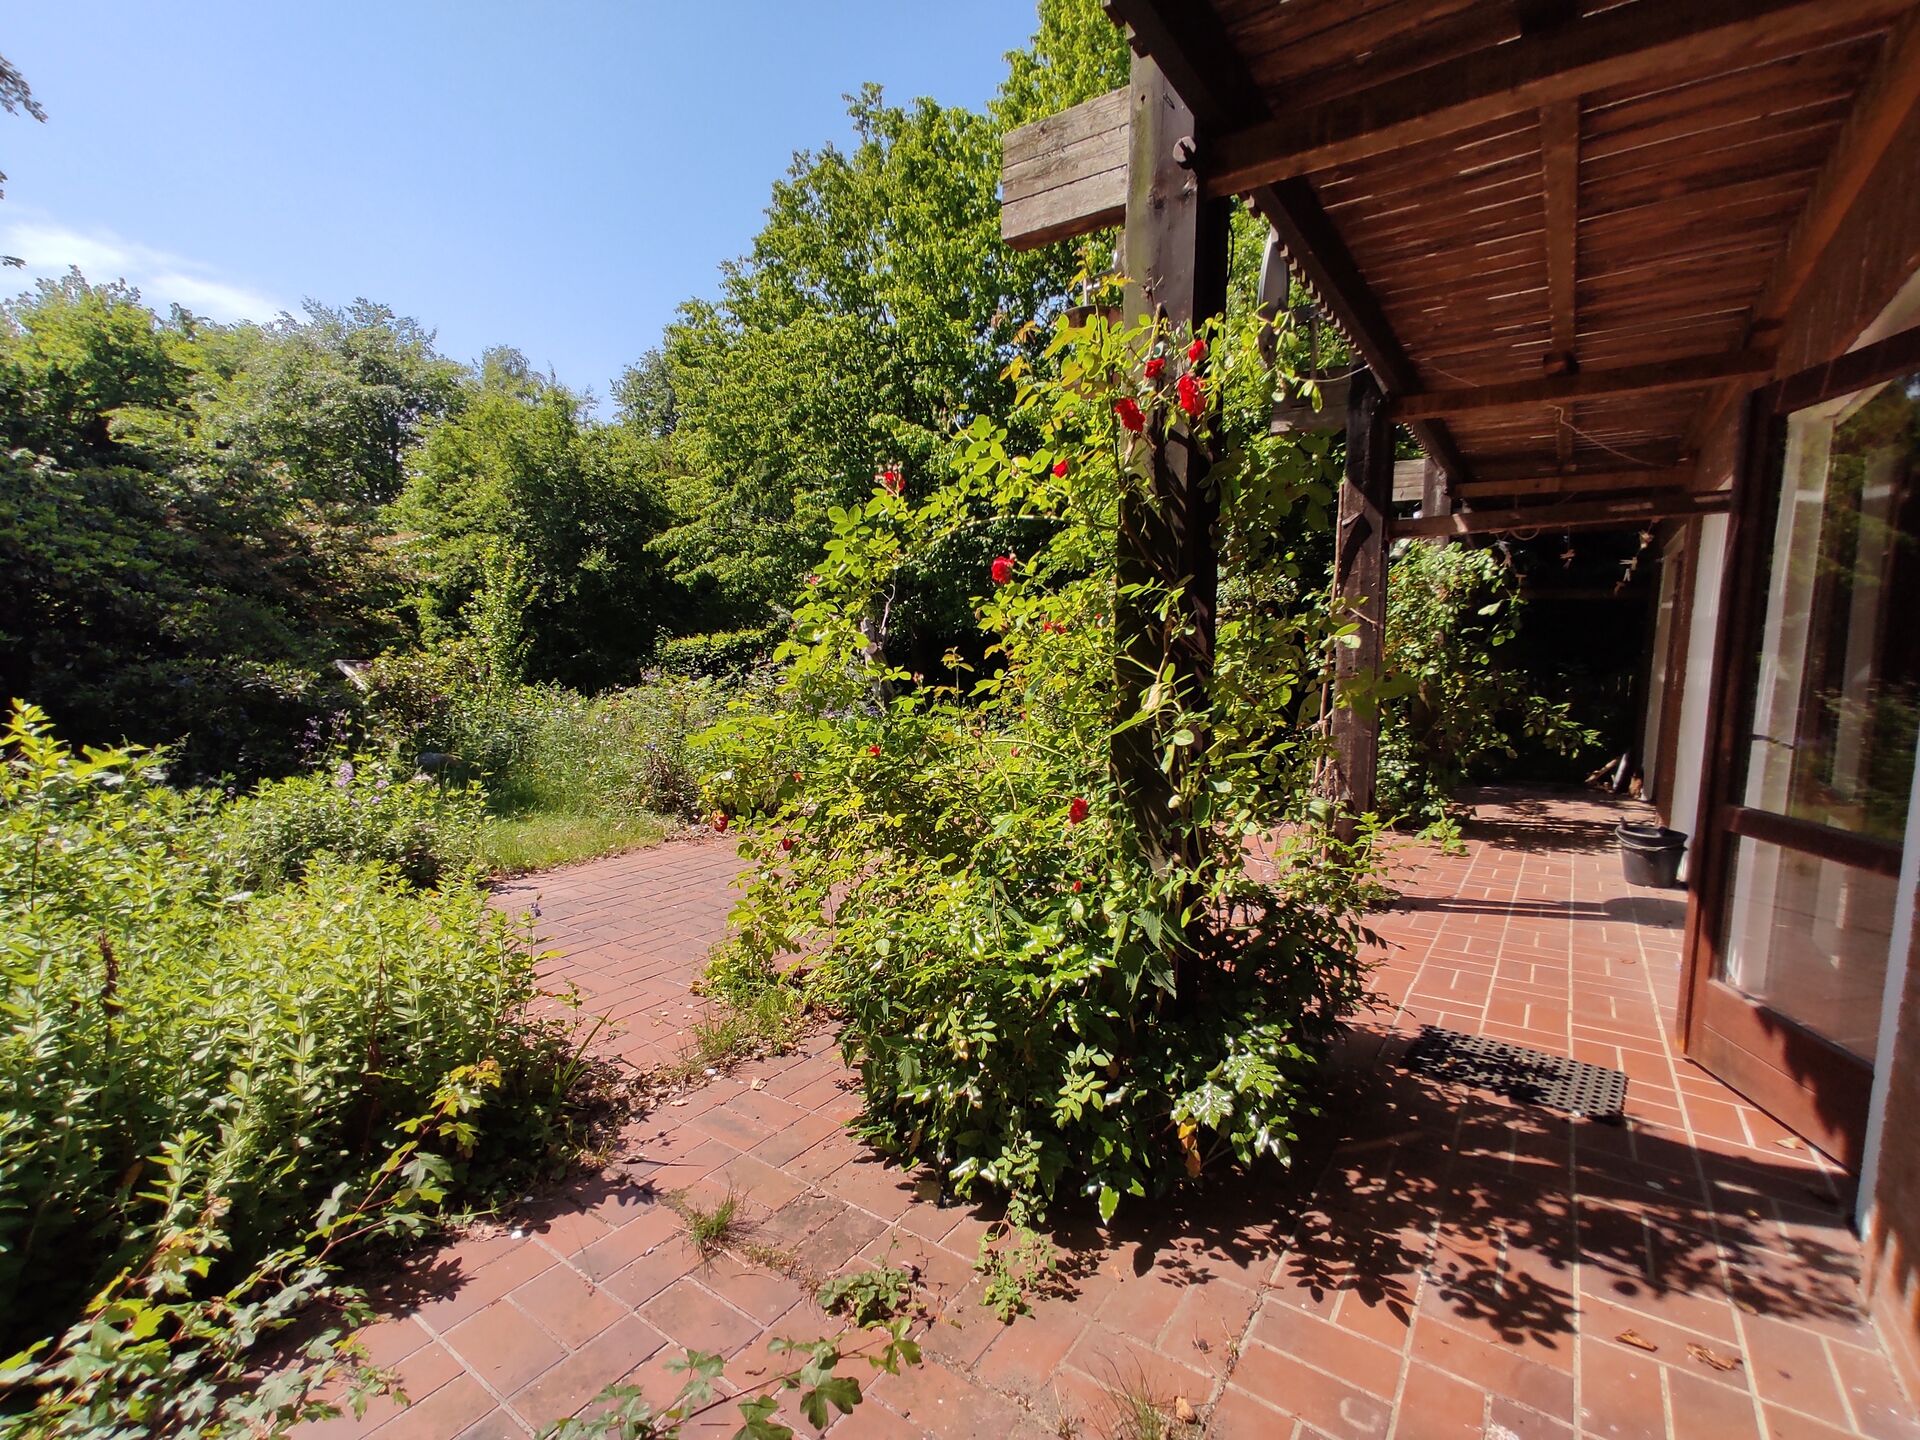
1045, 993
721, 655
1450, 708
272, 1047
627, 753
356, 808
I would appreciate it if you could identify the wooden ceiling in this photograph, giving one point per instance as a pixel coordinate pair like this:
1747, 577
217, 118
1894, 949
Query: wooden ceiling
1560, 231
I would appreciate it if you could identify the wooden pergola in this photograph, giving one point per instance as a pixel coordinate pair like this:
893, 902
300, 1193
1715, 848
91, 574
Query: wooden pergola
1562, 234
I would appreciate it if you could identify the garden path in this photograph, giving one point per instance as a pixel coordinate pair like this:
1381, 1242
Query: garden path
1447, 1264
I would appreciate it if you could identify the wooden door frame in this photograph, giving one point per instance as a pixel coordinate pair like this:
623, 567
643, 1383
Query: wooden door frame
1800, 1074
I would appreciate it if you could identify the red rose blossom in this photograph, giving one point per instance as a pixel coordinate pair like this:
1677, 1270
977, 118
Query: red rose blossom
873, 749
892, 481
721, 821
1128, 409
1197, 351
1077, 810
786, 842
1059, 469
1191, 400
1076, 887
1002, 569
1155, 366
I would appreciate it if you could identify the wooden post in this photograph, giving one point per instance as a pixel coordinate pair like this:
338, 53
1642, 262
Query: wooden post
1360, 593
1175, 258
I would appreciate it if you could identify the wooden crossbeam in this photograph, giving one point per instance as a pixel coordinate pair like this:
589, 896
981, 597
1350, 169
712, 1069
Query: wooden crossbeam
1879, 111
1581, 515
1315, 248
1638, 41
1692, 373
1188, 44
1065, 175
1560, 185
1577, 482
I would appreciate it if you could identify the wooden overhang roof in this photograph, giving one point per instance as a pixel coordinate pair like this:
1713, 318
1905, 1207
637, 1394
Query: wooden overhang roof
1561, 232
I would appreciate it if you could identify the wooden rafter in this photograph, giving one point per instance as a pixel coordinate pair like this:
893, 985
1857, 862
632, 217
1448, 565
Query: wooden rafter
1579, 482
1316, 249
1560, 185
1692, 373
1882, 107
1186, 40
1627, 44
1580, 515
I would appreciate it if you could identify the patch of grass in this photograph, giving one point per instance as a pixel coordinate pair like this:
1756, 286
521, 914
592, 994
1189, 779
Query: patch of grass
1135, 1413
765, 1022
539, 840
710, 1230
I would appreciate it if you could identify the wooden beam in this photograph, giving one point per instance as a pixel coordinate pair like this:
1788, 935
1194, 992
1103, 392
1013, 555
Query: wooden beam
1879, 112
1631, 43
1560, 184
1881, 108
1360, 593
1066, 175
1579, 483
1195, 53
1584, 515
1691, 373
1175, 254
1316, 249
1409, 480
1209, 73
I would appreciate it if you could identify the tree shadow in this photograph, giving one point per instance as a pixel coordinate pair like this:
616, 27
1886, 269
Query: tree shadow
1506, 1214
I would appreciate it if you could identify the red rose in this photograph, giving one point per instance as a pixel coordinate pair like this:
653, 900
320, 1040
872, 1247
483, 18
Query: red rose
1077, 810
796, 777
720, 821
1191, 400
786, 842
873, 749
1155, 366
1197, 351
1076, 887
813, 579
1128, 409
1059, 469
892, 481
1002, 569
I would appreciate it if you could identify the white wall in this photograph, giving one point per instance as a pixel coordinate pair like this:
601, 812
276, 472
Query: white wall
1690, 753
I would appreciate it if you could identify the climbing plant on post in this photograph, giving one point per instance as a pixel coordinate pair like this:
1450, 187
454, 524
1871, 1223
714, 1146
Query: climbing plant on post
1174, 251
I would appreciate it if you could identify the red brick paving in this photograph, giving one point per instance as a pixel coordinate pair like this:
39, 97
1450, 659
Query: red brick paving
1458, 1267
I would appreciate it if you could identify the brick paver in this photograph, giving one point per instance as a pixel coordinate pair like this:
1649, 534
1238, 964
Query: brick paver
1442, 1264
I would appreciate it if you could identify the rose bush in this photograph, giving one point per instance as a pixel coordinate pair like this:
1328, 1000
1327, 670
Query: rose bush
1039, 1001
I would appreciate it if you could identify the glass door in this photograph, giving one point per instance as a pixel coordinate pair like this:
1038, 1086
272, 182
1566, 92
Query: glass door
1818, 731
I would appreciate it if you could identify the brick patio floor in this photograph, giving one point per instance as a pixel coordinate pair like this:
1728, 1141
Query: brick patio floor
1452, 1265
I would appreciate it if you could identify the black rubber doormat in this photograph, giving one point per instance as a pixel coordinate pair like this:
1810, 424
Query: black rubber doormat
1532, 1077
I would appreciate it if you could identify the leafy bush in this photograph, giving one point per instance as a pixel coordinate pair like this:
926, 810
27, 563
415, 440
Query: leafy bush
355, 808
1450, 707
1042, 993
177, 1054
545, 749
624, 753
723, 654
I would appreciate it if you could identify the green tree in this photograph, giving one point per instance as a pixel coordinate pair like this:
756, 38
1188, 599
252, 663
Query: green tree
873, 315
519, 469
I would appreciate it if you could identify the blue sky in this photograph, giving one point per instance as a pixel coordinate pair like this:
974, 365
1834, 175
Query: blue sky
551, 174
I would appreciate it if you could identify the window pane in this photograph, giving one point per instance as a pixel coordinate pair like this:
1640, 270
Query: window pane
1809, 938
1835, 713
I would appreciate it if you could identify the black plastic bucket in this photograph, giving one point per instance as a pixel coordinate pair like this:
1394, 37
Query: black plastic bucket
1650, 854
